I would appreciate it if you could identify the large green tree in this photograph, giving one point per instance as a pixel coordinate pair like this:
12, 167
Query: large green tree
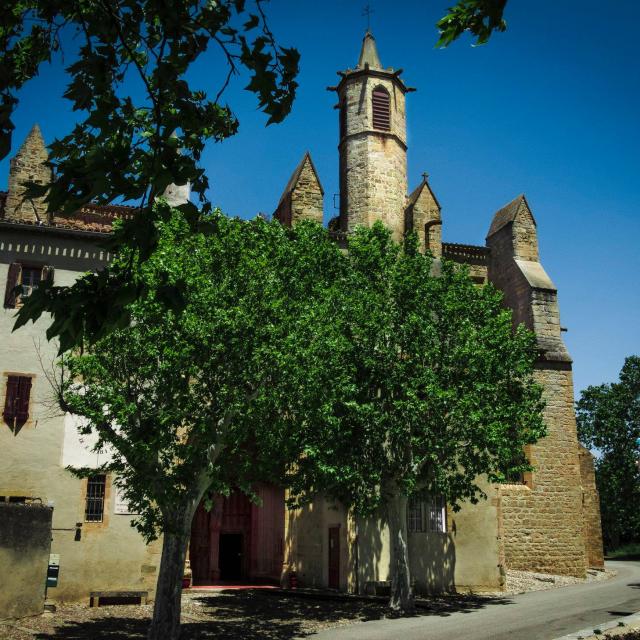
204, 397
143, 120
143, 117
436, 391
609, 422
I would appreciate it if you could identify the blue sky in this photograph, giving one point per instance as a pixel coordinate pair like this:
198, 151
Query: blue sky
549, 108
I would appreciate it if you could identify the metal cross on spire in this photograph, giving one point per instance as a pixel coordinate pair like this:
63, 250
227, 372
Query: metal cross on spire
367, 11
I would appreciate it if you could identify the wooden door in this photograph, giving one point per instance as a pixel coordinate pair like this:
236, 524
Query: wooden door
334, 557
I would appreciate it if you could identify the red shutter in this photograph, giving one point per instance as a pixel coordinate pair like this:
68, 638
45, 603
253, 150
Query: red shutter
16, 404
22, 404
47, 273
10, 399
381, 107
12, 281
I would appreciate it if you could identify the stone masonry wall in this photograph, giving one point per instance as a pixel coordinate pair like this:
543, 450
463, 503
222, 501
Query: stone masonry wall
28, 165
306, 197
524, 234
373, 164
591, 511
542, 524
425, 220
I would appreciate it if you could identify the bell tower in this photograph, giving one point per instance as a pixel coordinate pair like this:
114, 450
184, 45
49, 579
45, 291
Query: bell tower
373, 143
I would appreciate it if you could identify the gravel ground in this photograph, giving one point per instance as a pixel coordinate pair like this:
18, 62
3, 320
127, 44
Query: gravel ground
233, 615
257, 614
523, 581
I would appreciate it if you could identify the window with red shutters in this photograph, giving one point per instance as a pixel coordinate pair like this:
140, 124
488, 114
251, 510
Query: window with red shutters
16, 403
381, 108
29, 276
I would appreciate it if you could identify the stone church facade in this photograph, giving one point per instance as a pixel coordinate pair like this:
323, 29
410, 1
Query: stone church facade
549, 522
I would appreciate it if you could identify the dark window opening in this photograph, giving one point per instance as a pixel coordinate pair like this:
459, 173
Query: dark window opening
94, 508
343, 119
18, 499
381, 108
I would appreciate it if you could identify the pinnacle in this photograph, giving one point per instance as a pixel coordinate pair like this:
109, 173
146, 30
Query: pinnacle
369, 53
34, 139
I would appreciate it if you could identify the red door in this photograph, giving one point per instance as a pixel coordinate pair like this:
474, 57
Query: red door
334, 557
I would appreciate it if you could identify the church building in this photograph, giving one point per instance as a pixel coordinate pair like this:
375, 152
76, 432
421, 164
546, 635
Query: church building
548, 522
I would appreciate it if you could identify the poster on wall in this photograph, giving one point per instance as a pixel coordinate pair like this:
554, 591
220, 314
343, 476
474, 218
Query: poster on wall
122, 506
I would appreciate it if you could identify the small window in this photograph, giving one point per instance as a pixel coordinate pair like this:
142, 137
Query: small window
18, 499
30, 280
427, 513
94, 508
381, 108
22, 279
16, 402
343, 119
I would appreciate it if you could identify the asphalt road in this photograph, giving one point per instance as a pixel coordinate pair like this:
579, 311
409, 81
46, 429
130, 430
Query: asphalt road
539, 615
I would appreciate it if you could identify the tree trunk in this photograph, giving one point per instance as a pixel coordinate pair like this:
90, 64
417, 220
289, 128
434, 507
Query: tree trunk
165, 624
401, 600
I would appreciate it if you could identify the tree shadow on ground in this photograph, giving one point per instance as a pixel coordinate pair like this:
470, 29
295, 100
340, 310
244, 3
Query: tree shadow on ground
256, 615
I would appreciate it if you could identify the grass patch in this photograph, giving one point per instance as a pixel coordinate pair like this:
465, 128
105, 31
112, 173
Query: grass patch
629, 551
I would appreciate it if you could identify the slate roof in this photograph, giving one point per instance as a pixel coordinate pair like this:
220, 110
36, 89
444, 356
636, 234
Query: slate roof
507, 214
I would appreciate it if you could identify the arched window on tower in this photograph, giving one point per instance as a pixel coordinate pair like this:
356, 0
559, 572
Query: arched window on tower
381, 108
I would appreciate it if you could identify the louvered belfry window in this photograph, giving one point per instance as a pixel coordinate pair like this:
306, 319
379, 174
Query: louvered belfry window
381, 106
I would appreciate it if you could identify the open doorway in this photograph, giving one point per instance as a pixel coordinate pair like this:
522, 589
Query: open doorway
231, 555
239, 540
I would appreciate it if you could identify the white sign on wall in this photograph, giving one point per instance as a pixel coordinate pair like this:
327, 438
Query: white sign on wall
122, 506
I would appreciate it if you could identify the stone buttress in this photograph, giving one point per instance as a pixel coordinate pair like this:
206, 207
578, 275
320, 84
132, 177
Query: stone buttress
542, 520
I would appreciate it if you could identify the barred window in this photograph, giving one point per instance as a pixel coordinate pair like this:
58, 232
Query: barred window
381, 107
94, 508
427, 513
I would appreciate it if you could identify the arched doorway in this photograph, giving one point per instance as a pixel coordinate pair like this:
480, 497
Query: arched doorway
238, 541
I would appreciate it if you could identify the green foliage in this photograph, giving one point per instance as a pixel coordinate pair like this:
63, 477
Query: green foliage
479, 17
609, 421
434, 390
204, 397
145, 123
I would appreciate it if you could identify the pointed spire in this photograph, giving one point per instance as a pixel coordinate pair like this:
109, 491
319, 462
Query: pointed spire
34, 140
369, 53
